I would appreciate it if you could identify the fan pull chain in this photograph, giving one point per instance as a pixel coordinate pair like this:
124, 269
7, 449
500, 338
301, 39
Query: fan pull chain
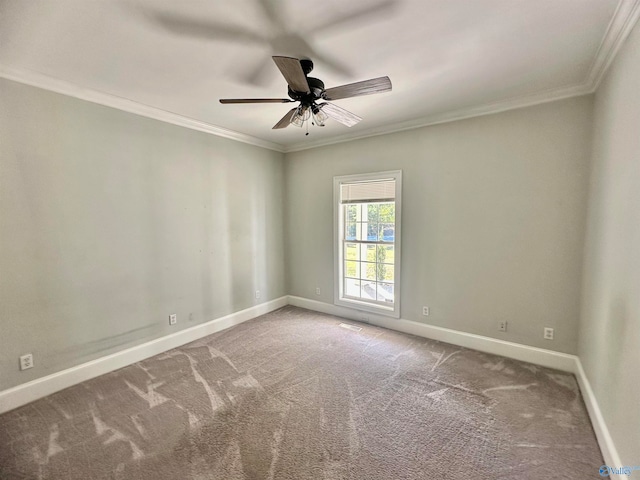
307, 122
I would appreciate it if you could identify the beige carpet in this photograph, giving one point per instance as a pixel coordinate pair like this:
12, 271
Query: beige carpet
292, 395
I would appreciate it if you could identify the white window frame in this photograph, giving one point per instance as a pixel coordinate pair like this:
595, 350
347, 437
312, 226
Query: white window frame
338, 227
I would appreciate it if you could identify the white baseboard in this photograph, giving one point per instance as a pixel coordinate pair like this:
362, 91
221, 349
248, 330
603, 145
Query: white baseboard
41, 387
28, 392
607, 446
538, 356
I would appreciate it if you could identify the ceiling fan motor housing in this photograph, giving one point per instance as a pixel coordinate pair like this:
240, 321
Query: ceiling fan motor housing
316, 89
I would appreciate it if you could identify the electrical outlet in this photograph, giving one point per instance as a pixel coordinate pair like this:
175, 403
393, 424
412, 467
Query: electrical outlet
173, 319
502, 326
257, 294
425, 311
548, 333
317, 290
26, 361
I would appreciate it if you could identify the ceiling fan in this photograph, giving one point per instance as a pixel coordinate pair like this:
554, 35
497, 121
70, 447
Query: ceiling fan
309, 91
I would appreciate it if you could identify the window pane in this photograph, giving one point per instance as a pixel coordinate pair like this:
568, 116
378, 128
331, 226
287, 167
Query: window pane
351, 269
383, 253
368, 290
351, 212
369, 253
372, 232
386, 254
350, 231
351, 251
369, 271
381, 270
385, 292
385, 273
372, 213
387, 213
387, 232
352, 287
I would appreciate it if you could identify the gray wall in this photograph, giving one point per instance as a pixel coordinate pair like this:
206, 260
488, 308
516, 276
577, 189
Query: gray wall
493, 219
610, 328
109, 222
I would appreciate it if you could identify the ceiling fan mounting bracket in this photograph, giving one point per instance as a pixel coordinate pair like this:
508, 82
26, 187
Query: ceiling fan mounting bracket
307, 65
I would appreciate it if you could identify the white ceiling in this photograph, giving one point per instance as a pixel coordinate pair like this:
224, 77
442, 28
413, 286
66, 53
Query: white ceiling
446, 58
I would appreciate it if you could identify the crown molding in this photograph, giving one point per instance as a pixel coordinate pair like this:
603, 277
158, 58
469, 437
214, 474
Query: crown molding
451, 116
623, 20
64, 87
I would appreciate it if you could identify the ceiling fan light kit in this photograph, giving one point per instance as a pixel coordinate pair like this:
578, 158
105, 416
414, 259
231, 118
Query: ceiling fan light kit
319, 117
302, 115
309, 90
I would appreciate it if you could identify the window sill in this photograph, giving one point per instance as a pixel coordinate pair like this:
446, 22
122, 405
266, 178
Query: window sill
393, 311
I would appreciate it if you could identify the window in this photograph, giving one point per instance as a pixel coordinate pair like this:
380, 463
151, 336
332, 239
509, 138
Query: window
367, 243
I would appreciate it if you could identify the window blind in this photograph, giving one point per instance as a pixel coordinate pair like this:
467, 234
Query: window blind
363, 192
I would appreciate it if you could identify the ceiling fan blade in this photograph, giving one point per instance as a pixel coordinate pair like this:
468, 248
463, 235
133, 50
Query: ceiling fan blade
361, 15
205, 29
292, 72
272, 11
366, 87
340, 114
255, 100
286, 120
259, 75
330, 62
